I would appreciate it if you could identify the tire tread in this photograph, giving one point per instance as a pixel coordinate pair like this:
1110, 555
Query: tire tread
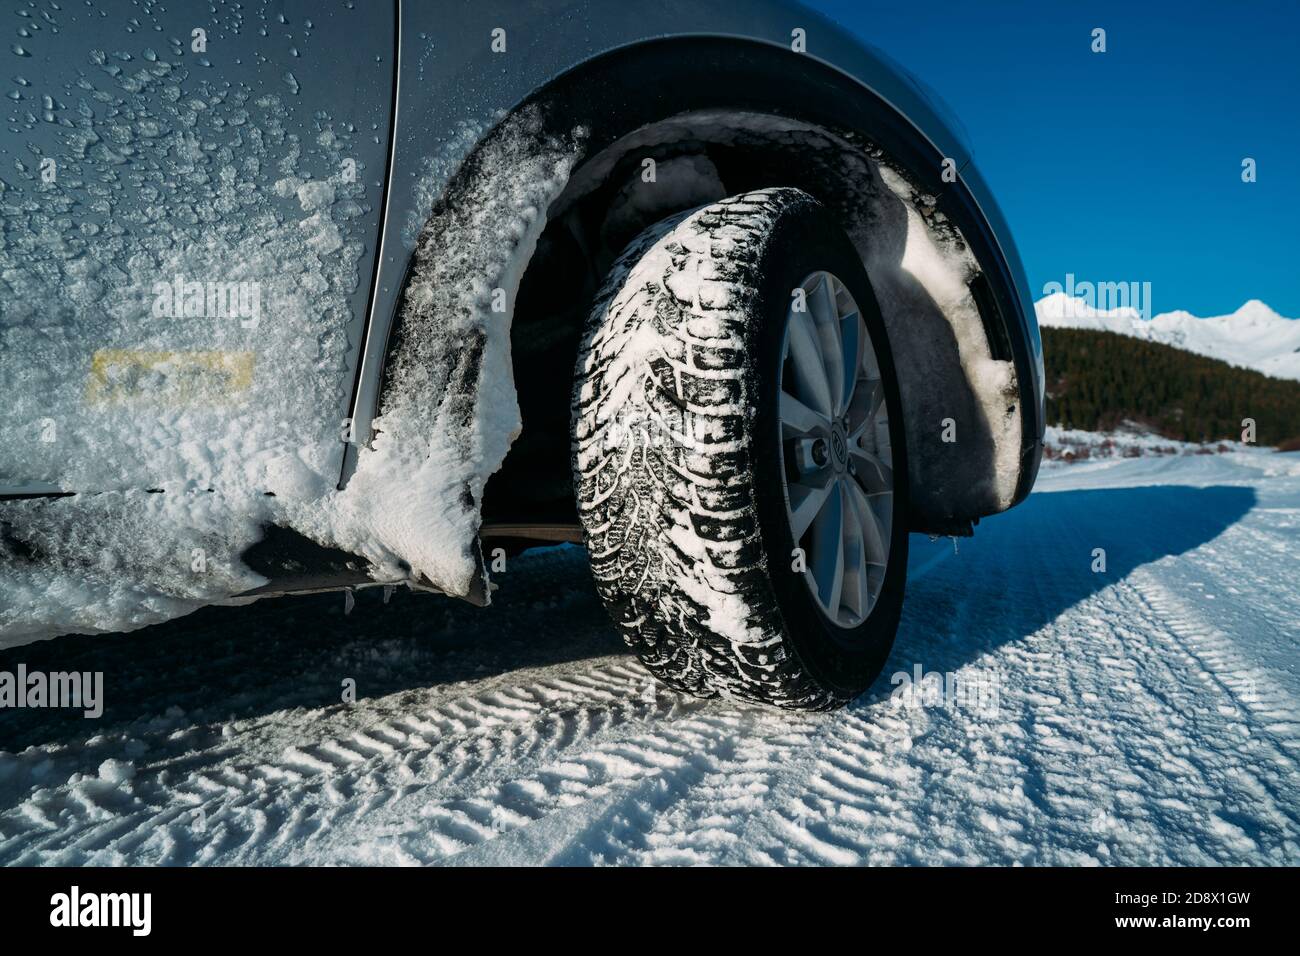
670, 524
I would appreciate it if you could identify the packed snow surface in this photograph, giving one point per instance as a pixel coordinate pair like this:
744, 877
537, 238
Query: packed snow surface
1144, 714
1252, 337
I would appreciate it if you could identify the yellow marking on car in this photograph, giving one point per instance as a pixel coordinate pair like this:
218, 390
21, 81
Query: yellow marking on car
169, 377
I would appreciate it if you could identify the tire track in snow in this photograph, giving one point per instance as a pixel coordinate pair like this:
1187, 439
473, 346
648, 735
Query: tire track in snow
467, 738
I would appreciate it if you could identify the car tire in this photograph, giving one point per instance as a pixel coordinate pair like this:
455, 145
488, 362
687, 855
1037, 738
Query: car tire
702, 441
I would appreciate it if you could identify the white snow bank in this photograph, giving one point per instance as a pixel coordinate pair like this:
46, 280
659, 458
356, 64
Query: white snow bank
1070, 453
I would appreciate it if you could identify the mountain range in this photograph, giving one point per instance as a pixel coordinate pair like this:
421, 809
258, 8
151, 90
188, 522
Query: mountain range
1253, 337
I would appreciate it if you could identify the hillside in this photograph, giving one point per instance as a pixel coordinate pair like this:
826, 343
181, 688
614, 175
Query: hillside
1099, 380
1254, 336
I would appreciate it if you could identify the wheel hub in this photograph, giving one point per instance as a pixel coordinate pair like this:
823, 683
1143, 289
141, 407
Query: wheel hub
839, 448
838, 469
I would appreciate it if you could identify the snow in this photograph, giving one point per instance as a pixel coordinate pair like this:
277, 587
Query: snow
1146, 715
935, 272
166, 175
450, 411
103, 566
1071, 446
173, 418
1252, 337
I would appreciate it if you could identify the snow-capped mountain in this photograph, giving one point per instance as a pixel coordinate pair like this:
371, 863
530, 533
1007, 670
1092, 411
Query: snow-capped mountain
1252, 337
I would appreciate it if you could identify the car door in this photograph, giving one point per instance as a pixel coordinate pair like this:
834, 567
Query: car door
192, 197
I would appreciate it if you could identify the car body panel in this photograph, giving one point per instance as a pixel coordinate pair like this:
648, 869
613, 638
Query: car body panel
153, 165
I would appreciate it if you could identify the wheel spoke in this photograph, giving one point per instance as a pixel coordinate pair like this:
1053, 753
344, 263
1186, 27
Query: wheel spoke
798, 419
827, 316
805, 504
851, 359
868, 400
857, 585
875, 476
837, 463
811, 385
827, 558
874, 534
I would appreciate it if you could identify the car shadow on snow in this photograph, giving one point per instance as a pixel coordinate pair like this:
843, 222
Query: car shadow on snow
228, 663
1020, 572
1024, 569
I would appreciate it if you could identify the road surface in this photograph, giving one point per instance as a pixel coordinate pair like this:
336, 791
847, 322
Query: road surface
1144, 714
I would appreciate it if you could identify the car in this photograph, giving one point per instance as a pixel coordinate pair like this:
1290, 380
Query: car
377, 294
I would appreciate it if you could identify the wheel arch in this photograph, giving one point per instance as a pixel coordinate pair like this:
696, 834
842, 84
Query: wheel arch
597, 105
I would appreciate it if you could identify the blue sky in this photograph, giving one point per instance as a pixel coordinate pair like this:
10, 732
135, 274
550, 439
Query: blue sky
1124, 166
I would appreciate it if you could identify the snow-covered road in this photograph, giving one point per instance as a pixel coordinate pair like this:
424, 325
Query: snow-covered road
1146, 714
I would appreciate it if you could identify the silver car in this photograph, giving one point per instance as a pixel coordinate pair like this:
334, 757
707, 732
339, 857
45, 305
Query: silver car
300, 296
